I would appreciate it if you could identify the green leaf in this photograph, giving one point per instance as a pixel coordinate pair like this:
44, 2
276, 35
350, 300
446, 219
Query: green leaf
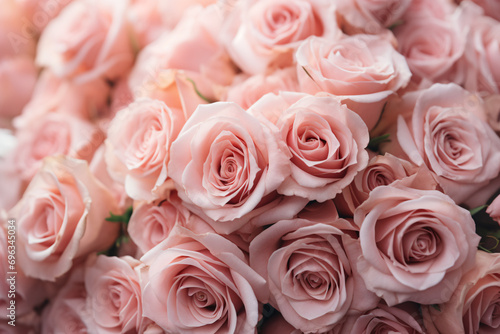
478, 209
436, 306
203, 97
120, 218
376, 141
396, 24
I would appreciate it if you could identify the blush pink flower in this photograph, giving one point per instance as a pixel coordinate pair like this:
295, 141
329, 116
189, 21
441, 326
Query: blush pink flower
473, 308
201, 284
362, 70
61, 218
87, 41
138, 146
448, 133
227, 166
326, 142
151, 223
310, 271
114, 297
416, 244
264, 34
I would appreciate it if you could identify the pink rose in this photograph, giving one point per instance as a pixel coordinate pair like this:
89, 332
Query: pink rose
448, 134
38, 13
382, 170
151, 223
114, 294
404, 318
61, 218
309, 268
201, 284
17, 38
53, 134
490, 7
192, 47
416, 244
431, 46
227, 166
150, 18
494, 209
492, 107
264, 34
138, 145
67, 311
251, 88
481, 73
362, 70
371, 16
87, 41
28, 291
55, 95
473, 308
17, 81
326, 142
420, 9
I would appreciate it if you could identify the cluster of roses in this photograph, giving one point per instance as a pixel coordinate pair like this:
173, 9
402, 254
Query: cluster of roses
274, 166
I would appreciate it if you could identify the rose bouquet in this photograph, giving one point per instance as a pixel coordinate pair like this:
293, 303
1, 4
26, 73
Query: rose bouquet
250, 166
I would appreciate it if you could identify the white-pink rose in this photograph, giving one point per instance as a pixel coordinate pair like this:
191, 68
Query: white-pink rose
87, 41
448, 133
362, 70
261, 35
114, 298
201, 284
61, 218
138, 145
227, 166
416, 244
310, 271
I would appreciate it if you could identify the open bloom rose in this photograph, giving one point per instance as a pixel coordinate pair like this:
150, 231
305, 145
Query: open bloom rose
325, 139
87, 41
447, 132
404, 319
474, 305
201, 284
264, 34
416, 244
151, 223
114, 294
227, 166
431, 47
138, 145
381, 170
362, 70
61, 218
311, 274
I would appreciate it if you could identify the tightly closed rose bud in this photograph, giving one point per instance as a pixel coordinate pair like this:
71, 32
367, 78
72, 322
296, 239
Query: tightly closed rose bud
416, 244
